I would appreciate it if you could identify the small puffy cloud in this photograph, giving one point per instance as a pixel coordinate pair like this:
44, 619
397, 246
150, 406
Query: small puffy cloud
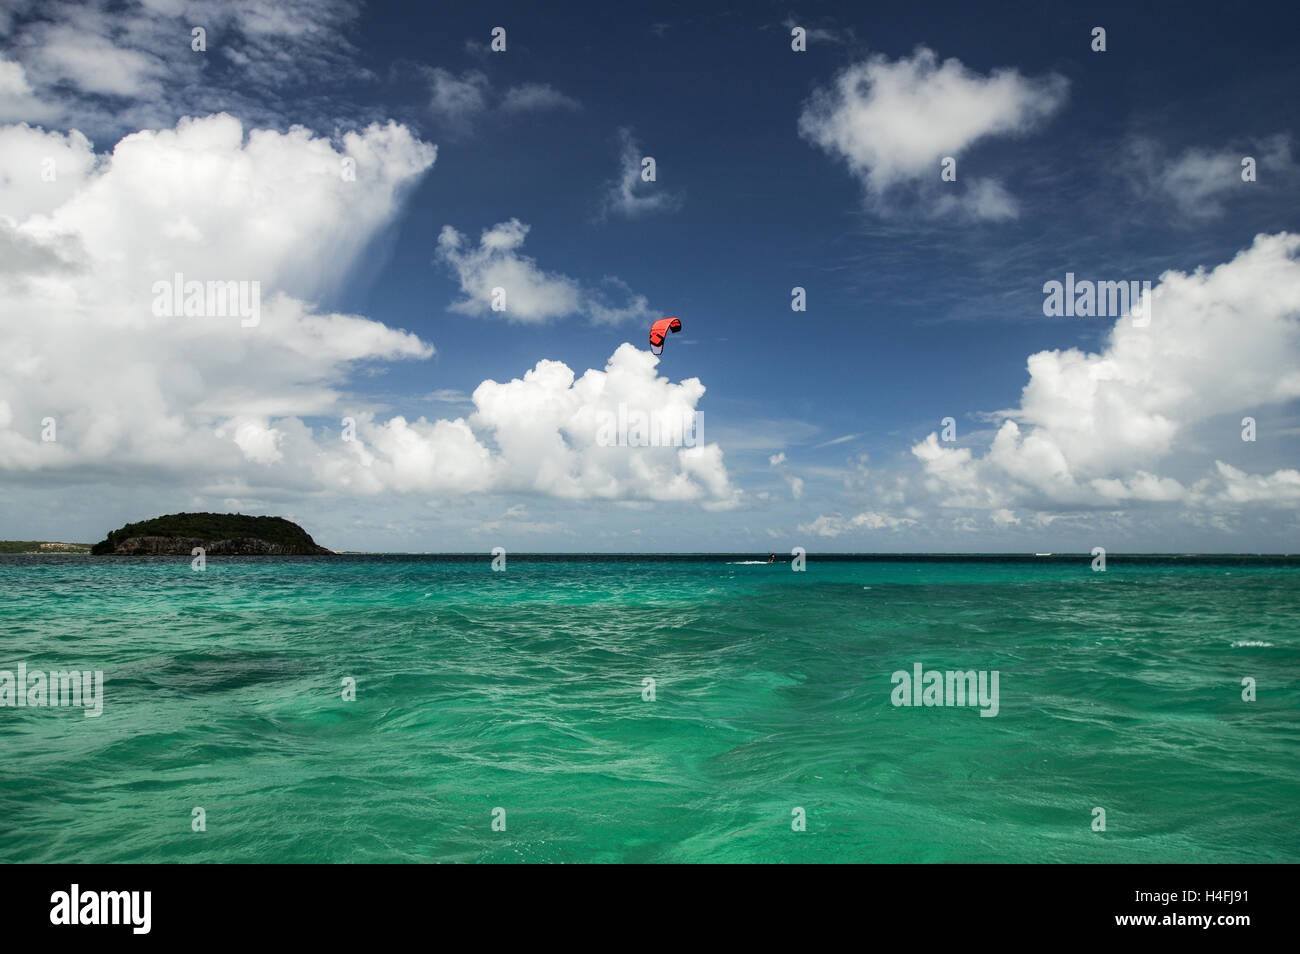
777, 462
1141, 486
1091, 428
1280, 487
1198, 180
1004, 518
496, 272
536, 97
892, 121
457, 99
628, 194
834, 526
530, 293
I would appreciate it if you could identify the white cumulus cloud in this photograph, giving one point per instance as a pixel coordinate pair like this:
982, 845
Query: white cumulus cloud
209, 405
835, 525
496, 278
1092, 428
892, 121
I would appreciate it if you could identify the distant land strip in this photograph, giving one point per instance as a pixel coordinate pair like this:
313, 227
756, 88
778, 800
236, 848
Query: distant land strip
1209, 559
31, 547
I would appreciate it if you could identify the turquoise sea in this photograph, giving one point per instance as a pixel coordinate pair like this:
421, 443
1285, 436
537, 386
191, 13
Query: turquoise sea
524, 691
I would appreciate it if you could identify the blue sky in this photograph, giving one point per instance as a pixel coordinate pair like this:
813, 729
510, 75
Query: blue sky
924, 297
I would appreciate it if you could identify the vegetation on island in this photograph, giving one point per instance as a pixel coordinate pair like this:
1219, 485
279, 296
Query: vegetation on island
218, 533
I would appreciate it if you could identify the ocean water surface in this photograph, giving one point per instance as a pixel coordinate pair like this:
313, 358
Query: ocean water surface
524, 691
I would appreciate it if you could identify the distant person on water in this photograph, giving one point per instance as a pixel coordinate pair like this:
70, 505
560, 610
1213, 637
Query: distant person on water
771, 558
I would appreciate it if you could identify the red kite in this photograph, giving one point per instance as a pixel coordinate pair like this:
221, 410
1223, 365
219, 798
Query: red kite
659, 331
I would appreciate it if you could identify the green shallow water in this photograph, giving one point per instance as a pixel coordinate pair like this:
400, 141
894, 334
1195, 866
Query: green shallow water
523, 690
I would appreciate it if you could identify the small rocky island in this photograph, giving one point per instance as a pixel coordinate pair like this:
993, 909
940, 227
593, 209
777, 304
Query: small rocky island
221, 534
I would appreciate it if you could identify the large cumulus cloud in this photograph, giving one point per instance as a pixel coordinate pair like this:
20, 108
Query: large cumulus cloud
228, 408
1096, 429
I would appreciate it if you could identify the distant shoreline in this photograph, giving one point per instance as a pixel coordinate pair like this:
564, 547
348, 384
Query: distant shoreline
40, 547
781, 559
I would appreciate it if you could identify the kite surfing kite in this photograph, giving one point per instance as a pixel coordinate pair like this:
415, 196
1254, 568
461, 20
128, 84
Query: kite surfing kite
659, 331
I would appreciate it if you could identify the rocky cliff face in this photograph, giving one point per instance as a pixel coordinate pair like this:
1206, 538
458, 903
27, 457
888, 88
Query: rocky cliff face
236, 546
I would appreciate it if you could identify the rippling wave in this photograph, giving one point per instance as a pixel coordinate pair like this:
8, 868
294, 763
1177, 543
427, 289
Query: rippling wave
527, 690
